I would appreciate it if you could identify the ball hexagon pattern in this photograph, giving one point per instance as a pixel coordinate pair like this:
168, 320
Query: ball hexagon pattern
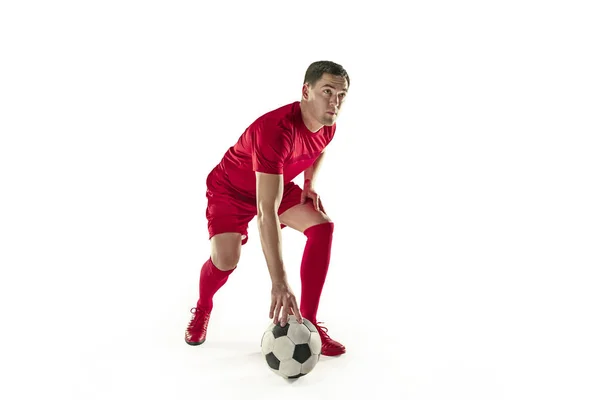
293, 350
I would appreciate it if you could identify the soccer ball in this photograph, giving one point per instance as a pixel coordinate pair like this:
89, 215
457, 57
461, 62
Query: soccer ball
293, 350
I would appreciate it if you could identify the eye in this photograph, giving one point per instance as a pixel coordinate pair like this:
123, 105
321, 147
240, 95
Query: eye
327, 91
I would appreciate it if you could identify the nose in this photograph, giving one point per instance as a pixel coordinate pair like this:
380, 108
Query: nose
334, 101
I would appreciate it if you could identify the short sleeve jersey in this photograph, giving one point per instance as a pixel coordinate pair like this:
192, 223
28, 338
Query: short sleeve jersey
278, 142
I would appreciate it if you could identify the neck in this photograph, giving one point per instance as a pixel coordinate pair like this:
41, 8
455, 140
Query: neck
311, 123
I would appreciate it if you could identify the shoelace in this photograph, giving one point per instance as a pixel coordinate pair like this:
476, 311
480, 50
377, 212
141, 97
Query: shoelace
322, 330
198, 314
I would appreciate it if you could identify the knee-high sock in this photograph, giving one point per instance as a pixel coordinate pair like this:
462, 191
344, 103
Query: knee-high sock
313, 270
211, 280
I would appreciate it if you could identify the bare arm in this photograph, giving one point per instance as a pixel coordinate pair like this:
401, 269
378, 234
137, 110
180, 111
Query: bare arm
269, 192
310, 174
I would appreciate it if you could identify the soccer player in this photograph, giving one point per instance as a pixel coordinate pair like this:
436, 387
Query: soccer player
254, 179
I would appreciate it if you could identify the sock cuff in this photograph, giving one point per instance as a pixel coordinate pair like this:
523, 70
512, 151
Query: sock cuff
213, 270
325, 228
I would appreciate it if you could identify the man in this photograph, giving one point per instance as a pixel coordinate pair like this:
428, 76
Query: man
254, 178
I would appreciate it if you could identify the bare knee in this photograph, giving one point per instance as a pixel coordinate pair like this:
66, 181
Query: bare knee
303, 216
323, 218
226, 249
225, 261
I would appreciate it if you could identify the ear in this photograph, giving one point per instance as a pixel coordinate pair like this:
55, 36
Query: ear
305, 90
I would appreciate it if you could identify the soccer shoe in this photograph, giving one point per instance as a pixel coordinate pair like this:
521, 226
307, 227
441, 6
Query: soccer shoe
195, 333
329, 347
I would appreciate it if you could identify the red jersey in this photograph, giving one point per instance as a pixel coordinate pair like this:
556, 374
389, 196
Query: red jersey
278, 142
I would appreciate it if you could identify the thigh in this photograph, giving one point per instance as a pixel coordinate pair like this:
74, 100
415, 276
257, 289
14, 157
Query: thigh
225, 213
299, 216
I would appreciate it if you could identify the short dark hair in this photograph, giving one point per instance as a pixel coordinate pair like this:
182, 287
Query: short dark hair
316, 70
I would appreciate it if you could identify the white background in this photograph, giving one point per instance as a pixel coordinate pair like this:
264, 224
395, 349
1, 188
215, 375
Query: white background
463, 181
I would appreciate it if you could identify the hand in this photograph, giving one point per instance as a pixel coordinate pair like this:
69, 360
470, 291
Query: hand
283, 302
309, 193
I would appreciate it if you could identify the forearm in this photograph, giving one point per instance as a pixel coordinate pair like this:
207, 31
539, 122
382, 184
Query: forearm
310, 174
270, 237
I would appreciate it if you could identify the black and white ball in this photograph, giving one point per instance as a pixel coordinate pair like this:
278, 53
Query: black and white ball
293, 350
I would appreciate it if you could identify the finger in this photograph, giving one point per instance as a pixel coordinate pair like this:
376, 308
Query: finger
277, 310
317, 203
284, 313
272, 309
321, 206
302, 198
311, 198
296, 311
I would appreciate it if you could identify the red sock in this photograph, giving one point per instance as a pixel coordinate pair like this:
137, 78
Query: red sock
313, 270
211, 280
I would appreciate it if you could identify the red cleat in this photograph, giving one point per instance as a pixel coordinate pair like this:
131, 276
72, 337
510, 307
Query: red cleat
329, 347
195, 333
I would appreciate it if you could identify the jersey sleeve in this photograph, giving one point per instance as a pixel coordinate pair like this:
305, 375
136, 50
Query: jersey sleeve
272, 146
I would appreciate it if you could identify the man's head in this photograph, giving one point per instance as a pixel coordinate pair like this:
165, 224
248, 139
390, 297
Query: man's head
325, 86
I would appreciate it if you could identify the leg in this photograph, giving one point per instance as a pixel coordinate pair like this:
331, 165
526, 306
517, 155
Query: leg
228, 219
224, 256
228, 230
225, 250
318, 229
300, 217
225, 253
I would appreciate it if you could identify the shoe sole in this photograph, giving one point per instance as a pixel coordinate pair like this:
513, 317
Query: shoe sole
195, 343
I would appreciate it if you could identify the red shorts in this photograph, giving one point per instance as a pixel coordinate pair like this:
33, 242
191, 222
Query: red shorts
230, 211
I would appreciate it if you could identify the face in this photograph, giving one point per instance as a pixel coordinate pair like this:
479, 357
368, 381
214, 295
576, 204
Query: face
325, 98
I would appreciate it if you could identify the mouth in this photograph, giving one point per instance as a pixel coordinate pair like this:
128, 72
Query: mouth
331, 112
